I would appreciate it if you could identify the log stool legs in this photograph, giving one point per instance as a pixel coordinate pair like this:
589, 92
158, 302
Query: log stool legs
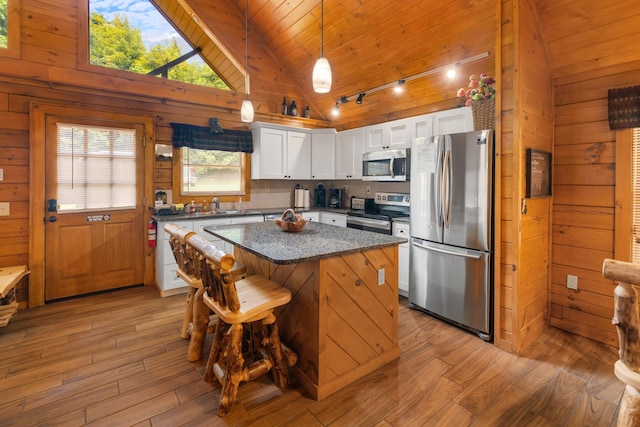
188, 315
199, 326
626, 319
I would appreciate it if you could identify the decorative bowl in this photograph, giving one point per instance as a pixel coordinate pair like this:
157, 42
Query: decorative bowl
291, 221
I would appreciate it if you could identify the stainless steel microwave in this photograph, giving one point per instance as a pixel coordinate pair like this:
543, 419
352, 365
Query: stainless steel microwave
386, 165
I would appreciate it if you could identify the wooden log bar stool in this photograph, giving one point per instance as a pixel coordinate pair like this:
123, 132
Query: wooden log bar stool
625, 318
196, 315
241, 303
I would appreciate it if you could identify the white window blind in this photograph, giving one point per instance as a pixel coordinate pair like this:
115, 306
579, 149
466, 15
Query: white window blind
635, 243
96, 168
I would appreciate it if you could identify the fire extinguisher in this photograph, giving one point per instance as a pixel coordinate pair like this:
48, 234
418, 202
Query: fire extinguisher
151, 233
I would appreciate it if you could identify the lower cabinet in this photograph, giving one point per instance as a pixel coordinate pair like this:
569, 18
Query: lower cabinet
311, 216
166, 277
333, 218
401, 229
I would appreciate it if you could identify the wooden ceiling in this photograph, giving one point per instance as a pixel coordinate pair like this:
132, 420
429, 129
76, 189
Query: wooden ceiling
377, 42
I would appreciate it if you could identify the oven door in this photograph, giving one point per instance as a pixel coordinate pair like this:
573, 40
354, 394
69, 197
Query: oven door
368, 224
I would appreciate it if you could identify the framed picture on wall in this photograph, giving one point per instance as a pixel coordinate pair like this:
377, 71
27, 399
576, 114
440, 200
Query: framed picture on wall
538, 173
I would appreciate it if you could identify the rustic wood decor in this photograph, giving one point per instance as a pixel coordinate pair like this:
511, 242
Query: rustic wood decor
197, 314
627, 369
247, 302
9, 278
342, 325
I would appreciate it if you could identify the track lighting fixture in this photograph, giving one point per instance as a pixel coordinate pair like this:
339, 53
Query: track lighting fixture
398, 85
336, 109
399, 88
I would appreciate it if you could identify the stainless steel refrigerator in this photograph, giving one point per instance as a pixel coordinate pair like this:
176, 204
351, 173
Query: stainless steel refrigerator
451, 249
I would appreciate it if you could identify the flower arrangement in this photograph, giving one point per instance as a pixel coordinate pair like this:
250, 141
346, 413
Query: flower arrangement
482, 87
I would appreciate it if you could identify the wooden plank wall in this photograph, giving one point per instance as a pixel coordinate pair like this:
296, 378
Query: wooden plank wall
535, 122
526, 122
49, 71
584, 200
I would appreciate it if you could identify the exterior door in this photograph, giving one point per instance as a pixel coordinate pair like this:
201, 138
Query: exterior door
94, 212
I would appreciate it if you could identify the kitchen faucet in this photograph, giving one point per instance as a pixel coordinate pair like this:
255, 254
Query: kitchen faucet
216, 203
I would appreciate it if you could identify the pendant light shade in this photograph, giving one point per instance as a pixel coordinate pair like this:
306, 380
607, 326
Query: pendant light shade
246, 110
321, 76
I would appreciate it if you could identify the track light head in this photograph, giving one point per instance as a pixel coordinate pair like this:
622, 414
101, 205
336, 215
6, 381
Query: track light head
359, 100
399, 87
344, 99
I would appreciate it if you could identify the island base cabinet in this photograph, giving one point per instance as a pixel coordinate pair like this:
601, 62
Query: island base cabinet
342, 320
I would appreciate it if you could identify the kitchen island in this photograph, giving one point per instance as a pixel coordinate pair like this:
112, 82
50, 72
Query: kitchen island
342, 320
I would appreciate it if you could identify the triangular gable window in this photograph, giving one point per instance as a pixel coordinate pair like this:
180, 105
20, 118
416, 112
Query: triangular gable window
136, 37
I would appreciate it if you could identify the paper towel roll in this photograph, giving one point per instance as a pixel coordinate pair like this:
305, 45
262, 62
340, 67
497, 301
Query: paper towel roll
307, 201
298, 201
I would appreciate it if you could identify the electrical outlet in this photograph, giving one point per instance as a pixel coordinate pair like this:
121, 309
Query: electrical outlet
4, 209
572, 282
368, 189
381, 277
1, 174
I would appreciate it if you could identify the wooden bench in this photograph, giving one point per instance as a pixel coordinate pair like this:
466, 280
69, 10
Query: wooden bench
245, 310
9, 278
196, 315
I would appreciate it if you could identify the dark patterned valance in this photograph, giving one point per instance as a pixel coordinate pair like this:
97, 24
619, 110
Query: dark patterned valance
624, 107
208, 138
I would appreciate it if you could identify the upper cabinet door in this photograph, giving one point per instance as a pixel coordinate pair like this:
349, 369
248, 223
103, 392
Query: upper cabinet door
422, 126
269, 154
323, 155
400, 134
349, 149
377, 137
298, 155
457, 120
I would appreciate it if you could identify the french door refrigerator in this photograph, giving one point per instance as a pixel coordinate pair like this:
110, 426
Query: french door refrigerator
451, 249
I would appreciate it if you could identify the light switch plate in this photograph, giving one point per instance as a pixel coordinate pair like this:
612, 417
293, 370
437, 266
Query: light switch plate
4, 209
572, 282
1, 174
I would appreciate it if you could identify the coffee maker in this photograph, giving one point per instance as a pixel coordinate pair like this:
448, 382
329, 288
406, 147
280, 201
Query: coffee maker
336, 196
320, 196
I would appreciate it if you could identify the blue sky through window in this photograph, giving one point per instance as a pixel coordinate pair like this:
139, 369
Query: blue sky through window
143, 15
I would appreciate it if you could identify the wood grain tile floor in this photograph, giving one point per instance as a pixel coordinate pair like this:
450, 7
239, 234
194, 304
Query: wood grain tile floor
116, 359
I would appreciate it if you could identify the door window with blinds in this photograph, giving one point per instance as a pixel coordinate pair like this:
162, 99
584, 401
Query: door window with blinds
96, 168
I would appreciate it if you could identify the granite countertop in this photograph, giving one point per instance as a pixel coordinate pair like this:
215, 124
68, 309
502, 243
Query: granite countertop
242, 212
315, 241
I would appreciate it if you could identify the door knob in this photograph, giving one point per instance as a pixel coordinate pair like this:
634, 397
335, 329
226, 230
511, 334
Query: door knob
53, 218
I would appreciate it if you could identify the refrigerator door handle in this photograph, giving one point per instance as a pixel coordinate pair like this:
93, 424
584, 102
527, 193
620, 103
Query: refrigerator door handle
439, 208
446, 188
447, 252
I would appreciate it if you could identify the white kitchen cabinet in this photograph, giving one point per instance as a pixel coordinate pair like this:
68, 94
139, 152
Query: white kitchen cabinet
311, 216
323, 154
349, 149
280, 153
333, 218
422, 126
166, 277
401, 229
377, 137
391, 135
456, 120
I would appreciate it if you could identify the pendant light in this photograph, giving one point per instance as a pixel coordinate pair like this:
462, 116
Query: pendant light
322, 71
246, 111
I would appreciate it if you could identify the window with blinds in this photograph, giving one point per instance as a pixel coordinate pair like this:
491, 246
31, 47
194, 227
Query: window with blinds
96, 168
635, 243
